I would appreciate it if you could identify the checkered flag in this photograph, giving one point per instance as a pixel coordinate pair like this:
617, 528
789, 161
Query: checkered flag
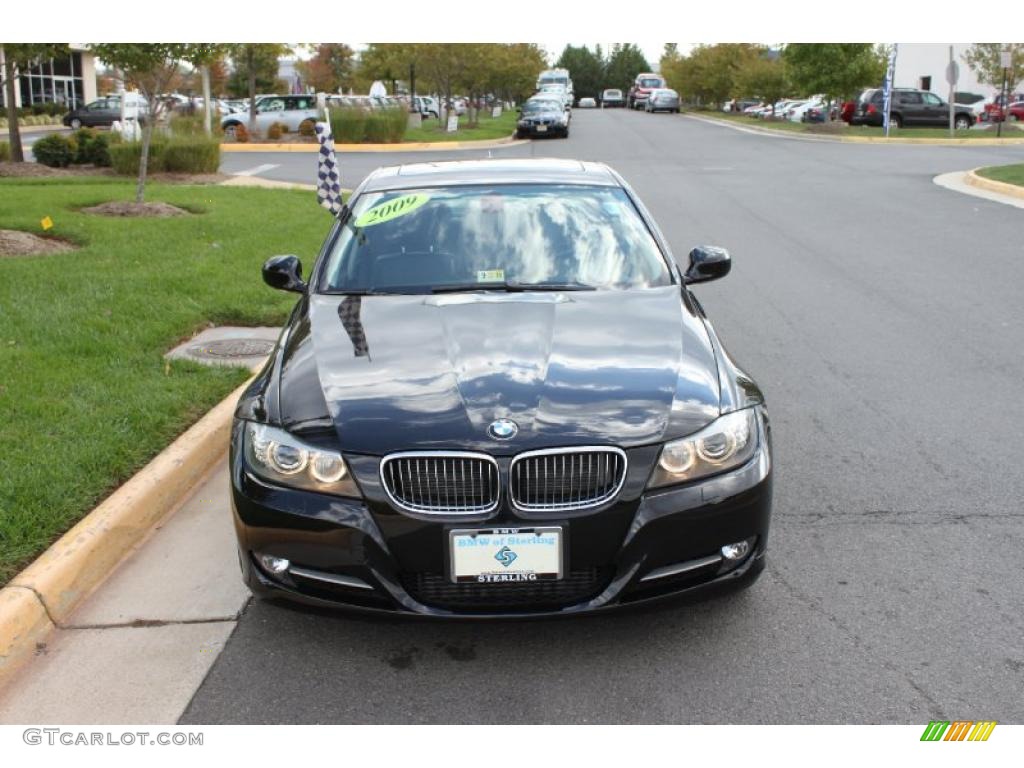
348, 312
328, 188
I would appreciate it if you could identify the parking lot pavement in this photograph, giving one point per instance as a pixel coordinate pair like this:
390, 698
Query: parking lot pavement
881, 313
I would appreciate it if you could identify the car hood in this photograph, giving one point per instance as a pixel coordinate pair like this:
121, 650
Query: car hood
432, 372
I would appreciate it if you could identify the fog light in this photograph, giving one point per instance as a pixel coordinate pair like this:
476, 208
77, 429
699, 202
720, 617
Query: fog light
735, 552
274, 565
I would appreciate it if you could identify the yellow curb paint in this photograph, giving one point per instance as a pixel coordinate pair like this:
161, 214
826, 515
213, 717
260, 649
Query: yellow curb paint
1013, 190
23, 624
1009, 141
422, 146
56, 583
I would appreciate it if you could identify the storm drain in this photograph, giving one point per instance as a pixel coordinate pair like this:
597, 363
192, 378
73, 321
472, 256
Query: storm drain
228, 345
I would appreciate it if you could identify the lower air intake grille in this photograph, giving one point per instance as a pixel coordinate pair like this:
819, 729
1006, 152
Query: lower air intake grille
437, 590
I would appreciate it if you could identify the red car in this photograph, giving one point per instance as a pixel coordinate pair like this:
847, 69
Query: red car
995, 112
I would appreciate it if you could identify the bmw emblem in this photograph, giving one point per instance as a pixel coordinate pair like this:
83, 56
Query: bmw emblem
502, 429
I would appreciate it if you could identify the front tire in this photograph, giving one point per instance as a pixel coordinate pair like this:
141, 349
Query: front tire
895, 121
229, 128
962, 122
75, 123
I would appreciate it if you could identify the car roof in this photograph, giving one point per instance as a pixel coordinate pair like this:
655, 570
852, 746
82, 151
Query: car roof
510, 171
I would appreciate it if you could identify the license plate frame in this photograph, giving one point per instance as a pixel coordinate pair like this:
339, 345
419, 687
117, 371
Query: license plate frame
542, 129
541, 561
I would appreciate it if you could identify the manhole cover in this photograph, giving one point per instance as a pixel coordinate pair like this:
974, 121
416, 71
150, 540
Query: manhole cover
233, 348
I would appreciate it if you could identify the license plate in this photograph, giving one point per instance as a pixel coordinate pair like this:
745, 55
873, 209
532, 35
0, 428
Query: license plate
498, 555
541, 128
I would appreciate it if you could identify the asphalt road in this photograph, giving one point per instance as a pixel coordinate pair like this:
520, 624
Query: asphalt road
882, 315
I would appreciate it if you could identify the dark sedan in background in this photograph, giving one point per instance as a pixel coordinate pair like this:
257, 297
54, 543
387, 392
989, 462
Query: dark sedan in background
542, 117
497, 396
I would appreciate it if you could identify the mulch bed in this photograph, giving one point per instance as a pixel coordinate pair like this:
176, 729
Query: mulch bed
133, 209
14, 242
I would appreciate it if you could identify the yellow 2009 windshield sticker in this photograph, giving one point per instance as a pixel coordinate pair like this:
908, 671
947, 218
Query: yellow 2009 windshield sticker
392, 209
490, 276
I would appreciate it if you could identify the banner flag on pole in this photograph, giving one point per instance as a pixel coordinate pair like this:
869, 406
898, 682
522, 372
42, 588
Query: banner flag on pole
328, 188
890, 74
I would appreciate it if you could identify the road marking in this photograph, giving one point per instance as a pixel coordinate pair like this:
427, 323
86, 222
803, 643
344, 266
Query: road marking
257, 170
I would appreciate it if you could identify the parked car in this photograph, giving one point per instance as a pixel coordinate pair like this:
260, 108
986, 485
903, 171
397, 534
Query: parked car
662, 100
1015, 111
427, 106
289, 111
105, 111
559, 92
588, 103
910, 107
457, 422
612, 97
739, 105
642, 86
796, 112
542, 117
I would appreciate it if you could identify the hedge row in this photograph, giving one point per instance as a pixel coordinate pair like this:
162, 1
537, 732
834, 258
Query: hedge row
352, 125
176, 154
84, 146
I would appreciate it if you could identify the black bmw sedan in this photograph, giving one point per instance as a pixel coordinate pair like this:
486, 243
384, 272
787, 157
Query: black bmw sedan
497, 396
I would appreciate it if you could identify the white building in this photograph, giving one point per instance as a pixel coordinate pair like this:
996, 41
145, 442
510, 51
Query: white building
68, 80
923, 65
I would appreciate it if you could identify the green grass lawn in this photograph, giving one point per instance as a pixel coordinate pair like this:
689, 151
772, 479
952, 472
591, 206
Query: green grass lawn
86, 397
489, 128
1009, 174
858, 130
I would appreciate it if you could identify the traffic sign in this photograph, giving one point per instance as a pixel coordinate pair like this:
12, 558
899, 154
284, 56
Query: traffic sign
952, 73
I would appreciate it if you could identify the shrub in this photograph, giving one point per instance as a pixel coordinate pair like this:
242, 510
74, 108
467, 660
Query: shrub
192, 155
176, 154
307, 128
386, 126
241, 134
5, 151
275, 131
93, 147
187, 125
348, 124
56, 150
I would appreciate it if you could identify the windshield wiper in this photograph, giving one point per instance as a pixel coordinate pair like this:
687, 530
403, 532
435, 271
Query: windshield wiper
511, 287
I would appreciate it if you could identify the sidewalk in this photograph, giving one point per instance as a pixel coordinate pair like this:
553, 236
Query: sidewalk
139, 647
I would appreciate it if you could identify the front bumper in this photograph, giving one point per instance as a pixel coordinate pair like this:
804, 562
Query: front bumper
548, 129
363, 555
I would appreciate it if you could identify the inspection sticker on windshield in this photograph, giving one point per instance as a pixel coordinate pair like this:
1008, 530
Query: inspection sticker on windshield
392, 209
490, 276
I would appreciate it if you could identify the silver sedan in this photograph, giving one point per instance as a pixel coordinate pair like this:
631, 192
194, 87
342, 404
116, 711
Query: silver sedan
662, 100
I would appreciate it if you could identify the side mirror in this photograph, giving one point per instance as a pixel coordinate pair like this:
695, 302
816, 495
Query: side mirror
284, 273
707, 262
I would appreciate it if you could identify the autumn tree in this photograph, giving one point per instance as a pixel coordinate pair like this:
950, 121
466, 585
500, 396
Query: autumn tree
330, 69
19, 57
764, 78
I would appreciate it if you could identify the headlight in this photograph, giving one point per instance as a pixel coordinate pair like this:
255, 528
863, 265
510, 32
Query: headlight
281, 458
726, 443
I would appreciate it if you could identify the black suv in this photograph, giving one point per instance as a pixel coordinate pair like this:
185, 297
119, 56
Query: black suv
910, 106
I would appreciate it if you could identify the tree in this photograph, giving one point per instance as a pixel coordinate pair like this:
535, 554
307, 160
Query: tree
585, 68
709, 75
19, 57
835, 70
153, 69
625, 63
255, 66
203, 56
331, 68
764, 78
983, 58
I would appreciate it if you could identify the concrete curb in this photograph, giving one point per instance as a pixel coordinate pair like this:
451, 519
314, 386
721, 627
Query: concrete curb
43, 595
417, 146
1000, 187
987, 142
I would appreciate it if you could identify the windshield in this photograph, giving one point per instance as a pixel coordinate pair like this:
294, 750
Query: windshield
650, 82
554, 80
532, 107
494, 237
